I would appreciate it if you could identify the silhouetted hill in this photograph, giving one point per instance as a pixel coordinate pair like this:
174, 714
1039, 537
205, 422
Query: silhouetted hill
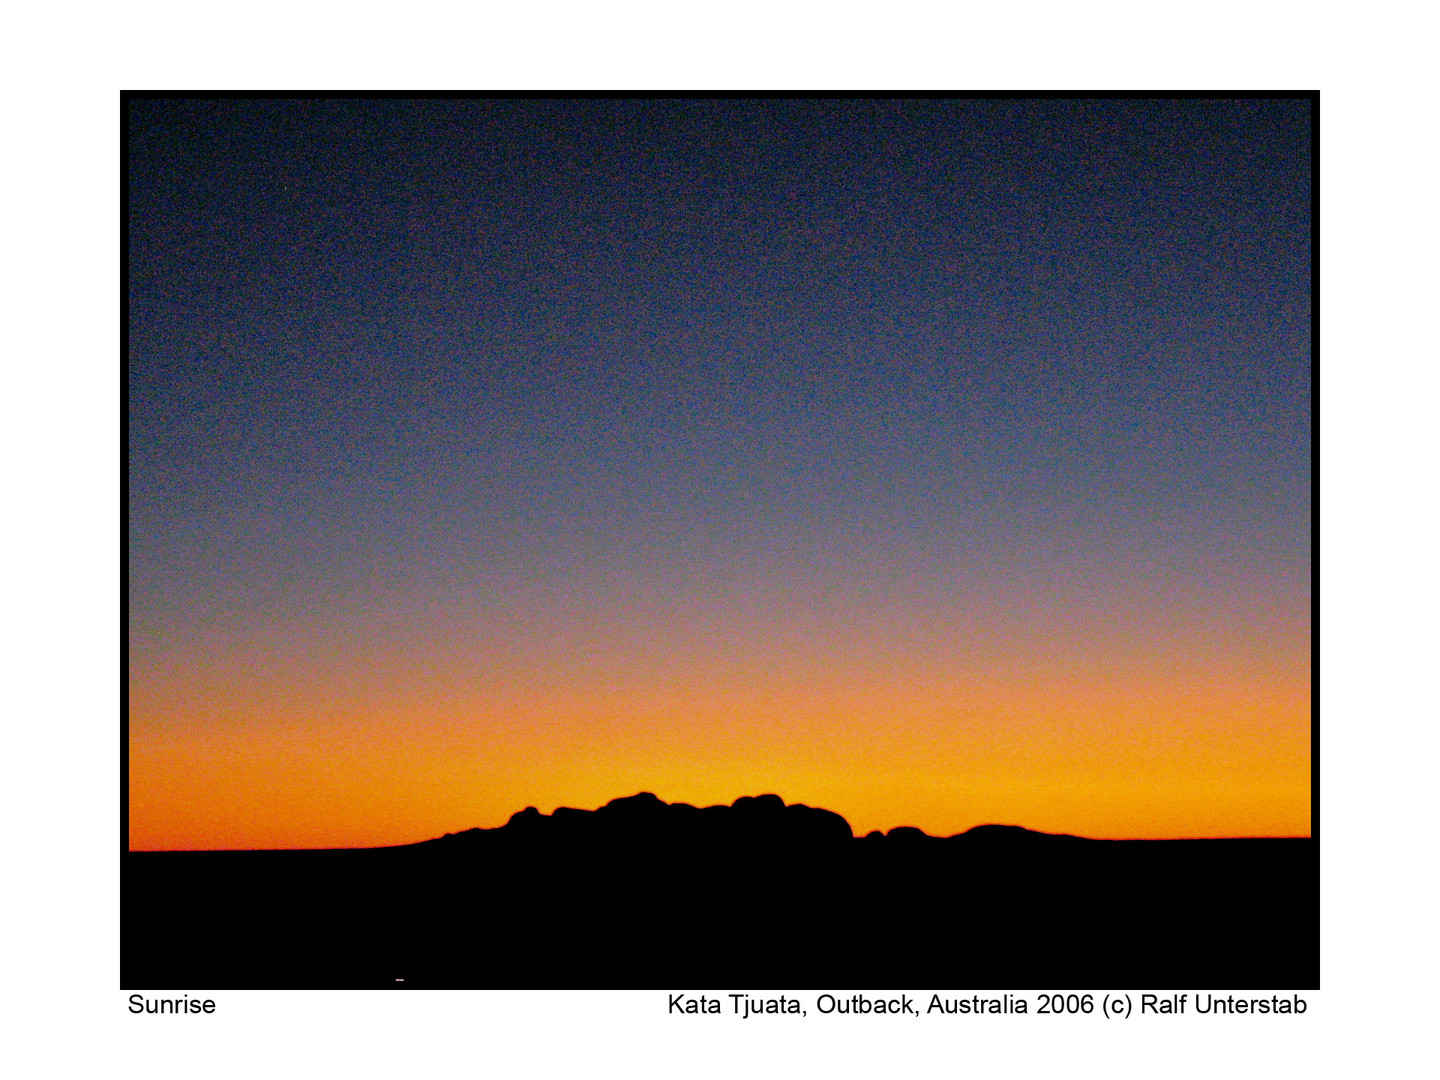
757, 894
1010, 834
644, 820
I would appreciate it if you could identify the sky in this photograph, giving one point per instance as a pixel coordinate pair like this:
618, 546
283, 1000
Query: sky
938, 463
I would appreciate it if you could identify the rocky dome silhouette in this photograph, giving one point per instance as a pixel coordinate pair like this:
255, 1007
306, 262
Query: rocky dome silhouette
644, 818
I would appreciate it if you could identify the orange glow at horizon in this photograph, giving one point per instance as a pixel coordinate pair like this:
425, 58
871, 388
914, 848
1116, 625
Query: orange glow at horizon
1138, 758
1111, 713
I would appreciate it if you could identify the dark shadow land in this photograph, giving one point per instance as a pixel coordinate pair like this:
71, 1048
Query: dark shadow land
641, 894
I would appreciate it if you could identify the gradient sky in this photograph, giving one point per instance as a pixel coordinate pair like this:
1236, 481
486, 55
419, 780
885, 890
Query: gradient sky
937, 463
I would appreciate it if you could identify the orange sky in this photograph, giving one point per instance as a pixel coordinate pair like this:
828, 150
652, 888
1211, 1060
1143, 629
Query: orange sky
1121, 721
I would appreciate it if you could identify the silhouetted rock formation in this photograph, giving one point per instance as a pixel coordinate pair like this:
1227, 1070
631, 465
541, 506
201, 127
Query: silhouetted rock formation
907, 833
640, 820
1009, 834
758, 894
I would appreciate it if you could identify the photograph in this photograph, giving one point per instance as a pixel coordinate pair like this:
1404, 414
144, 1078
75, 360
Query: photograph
720, 544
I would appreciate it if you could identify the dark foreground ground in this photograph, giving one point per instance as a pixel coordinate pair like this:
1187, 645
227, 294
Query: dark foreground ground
641, 894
